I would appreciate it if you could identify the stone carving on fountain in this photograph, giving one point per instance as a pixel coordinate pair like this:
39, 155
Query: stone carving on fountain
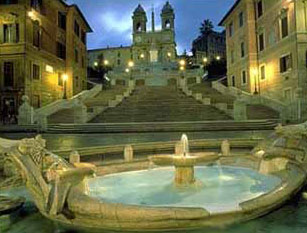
48, 177
184, 163
287, 143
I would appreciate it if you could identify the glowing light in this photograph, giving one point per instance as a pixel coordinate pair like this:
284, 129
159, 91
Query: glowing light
31, 14
49, 69
142, 55
127, 70
95, 63
107, 79
181, 68
106, 62
205, 60
65, 77
130, 63
218, 58
169, 54
182, 62
254, 71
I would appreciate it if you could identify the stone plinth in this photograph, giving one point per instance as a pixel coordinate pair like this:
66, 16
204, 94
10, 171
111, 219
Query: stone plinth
198, 96
239, 110
74, 157
225, 148
128, 153
206, 101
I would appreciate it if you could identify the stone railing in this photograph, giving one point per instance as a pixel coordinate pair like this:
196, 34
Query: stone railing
204, 100
28, 116
249, 98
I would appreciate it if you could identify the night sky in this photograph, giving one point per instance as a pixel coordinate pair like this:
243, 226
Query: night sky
112, 23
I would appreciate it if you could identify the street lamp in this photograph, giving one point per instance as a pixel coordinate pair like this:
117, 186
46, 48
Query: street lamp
182, 62
205, 60
65, 78
106, 62
218, 58
95, 63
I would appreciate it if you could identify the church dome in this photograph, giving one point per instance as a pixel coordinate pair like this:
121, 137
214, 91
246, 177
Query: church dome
139, 10
167, 8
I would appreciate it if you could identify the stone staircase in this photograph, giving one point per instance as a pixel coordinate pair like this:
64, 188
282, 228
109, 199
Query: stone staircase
160, 104
254, 111
66, 116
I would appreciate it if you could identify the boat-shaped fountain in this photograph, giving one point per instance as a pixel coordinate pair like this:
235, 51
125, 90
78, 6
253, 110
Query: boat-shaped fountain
241, 188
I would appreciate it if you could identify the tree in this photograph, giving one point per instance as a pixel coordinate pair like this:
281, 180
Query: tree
206, 27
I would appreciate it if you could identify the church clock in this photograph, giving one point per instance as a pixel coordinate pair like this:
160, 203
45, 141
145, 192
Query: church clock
138, 39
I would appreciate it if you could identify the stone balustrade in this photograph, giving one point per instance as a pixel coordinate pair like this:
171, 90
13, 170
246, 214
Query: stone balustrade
252, 99
205, 100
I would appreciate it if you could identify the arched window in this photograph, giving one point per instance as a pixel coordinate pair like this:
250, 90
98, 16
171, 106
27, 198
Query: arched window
138, 27
167, 24
233, 81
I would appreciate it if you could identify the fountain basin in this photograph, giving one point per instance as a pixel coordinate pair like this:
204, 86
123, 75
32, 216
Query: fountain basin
223, 189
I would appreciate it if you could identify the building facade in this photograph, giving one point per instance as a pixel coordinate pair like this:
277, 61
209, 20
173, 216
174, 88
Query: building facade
267, 49
209, 46
42, 51
152, 57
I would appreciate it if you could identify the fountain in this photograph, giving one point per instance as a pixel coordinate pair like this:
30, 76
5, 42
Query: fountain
144, 198
184, 163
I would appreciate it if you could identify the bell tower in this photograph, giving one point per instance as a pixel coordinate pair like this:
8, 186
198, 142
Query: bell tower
139, 20
168, 17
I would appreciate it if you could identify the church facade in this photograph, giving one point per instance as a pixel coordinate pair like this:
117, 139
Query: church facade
152, 57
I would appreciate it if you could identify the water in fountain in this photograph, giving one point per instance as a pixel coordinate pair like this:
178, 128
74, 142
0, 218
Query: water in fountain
185, 145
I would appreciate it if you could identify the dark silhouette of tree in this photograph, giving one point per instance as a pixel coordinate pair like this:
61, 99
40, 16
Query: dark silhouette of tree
206, 27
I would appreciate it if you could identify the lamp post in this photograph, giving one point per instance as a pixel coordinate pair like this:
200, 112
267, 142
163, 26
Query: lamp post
65, 78
255, 73
130, 65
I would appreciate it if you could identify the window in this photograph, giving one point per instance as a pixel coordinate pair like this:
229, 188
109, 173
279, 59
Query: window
77, 81
77, 28
37, 5
8, 74
241, 19
62, 20
76, 55
11, 33
230, 29
242, 49
83, 36
261, 42
36, 34
35, 72
36, 101
60, 79
244, 81
8, 2
232, 58
233, 81
285, 63
61, 50
259, 8
167, 24
262, 72
284, 27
